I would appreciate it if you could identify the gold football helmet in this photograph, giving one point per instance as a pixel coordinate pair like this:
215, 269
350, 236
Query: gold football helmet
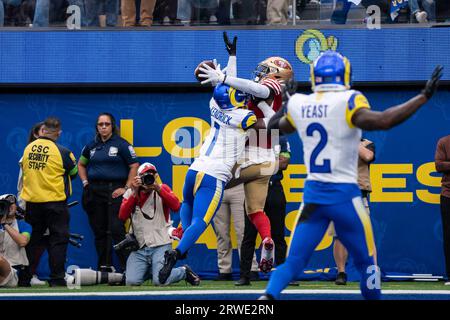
274, 68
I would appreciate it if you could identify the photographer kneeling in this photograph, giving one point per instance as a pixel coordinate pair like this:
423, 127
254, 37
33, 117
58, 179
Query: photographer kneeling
149, 204
14, 236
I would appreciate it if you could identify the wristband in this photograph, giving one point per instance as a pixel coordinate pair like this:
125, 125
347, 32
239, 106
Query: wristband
85, 183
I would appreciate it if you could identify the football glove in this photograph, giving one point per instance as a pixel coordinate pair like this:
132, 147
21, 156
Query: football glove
433, 82
230, 46
213, 76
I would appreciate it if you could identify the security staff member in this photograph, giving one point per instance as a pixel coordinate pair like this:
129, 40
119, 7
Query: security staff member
275, 208
48, 169
107, 167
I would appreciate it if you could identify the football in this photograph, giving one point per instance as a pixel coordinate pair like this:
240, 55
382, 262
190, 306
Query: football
197, 71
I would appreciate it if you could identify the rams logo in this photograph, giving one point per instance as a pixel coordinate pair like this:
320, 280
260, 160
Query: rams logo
238, 98
311, 43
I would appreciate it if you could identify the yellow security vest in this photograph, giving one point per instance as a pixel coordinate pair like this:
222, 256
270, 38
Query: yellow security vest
47, 170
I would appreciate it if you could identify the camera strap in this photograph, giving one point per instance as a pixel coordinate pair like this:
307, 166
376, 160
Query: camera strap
141, 207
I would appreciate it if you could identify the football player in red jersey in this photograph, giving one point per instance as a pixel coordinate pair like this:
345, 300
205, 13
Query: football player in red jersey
259, 162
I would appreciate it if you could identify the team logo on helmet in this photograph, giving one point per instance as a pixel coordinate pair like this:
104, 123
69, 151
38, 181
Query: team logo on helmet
274, 68
229, 98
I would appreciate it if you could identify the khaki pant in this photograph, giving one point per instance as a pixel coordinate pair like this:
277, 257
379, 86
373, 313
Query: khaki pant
277, 12
232, 206
128, 9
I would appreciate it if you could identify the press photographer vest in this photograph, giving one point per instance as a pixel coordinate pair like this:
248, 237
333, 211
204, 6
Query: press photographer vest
9, 249
149, 223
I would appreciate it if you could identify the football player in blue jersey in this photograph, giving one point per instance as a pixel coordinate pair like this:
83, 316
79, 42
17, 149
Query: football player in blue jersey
212, 169
329, 123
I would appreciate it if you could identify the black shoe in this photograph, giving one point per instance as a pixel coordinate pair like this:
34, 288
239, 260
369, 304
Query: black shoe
294, 283
225, 277
57, 283
266, 296
242, 282
254, 276
341, 279
170, 258
191, 276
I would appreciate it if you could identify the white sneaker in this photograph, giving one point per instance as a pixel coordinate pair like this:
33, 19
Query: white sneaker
421, 17
36, 282
447, 283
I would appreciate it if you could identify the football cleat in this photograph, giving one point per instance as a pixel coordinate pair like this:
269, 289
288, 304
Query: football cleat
267, 253
191, 276
175, 233
170, 259
266, 296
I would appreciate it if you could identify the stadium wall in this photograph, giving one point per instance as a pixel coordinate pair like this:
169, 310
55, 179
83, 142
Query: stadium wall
405, 209
166, 56
167, 129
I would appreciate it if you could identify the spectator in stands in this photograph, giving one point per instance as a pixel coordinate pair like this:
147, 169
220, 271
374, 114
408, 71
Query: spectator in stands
14, 236
366, 155
148, 204
107, 167
12, 12
232, 206
277, 12
48, 169
427, 14
203, 11
94, 8
442, 163
166, 8
342, 8
128, 8
275, 208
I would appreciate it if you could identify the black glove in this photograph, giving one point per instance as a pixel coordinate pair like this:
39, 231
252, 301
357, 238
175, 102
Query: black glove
432, 84
231, 47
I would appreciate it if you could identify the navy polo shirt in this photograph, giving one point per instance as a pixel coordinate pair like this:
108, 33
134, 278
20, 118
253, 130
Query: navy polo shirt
109, 160
285, 151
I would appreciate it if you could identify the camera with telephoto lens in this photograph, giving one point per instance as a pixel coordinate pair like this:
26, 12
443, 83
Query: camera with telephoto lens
129, 243
4, 207
148, 179
6, 201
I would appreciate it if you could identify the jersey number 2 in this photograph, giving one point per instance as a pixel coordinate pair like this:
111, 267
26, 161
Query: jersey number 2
313, 166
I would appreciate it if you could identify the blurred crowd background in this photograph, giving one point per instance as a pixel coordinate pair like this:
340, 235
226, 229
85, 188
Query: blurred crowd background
149, 13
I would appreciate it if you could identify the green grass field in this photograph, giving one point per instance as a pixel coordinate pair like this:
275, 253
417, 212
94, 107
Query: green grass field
229, 285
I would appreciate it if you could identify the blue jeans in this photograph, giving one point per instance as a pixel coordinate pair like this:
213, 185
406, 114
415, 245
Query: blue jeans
94, 8
2, 9
146, 263
428, 5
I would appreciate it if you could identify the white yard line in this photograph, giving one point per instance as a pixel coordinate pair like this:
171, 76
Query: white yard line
205, 292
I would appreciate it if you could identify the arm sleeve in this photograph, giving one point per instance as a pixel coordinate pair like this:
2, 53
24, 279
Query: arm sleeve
85, 155
69, 162
247, 86
128, 205
127, 152
232, 66
357, 101
440, 158
248, 121
169, 198
24, 228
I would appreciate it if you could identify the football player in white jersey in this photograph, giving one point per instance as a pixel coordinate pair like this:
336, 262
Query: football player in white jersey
258, 163
212, 169
329, 123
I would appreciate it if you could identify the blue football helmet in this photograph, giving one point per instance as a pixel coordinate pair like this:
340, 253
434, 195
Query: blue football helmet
229, 98
331, 68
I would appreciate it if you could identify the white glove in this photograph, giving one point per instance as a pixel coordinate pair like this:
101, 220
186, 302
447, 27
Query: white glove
213, 76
